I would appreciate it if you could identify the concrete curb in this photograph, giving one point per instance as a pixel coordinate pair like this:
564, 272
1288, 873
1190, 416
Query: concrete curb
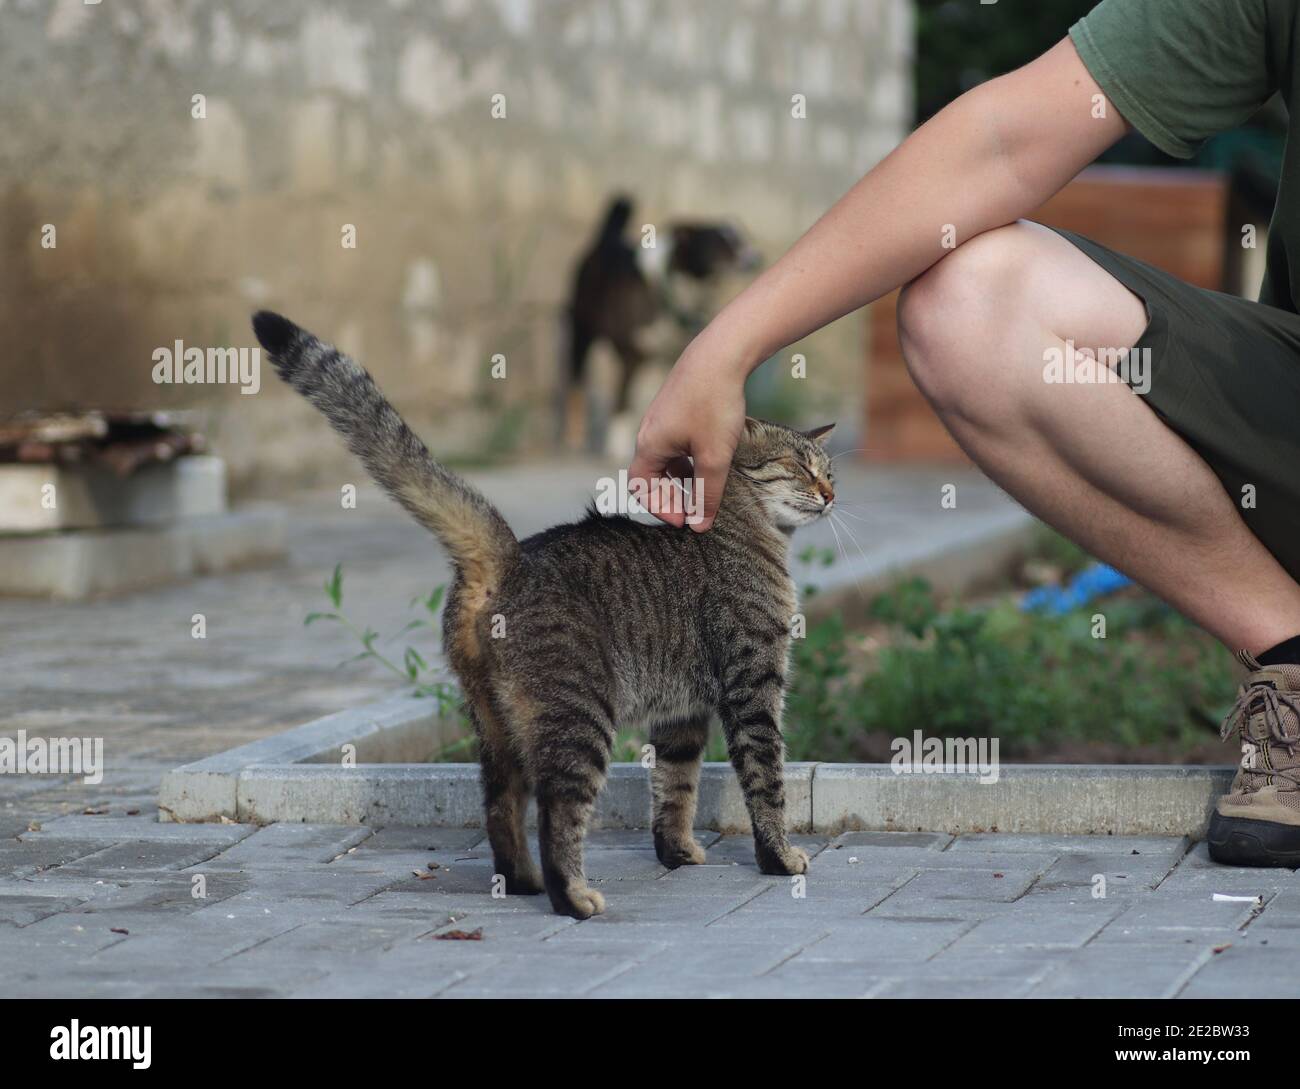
449, 795
300, 776
821, 798
382, 734
1059, 799
70, 566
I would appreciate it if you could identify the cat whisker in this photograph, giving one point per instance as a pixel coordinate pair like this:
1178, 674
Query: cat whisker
849, 513
849, 533
843, 554
859, 450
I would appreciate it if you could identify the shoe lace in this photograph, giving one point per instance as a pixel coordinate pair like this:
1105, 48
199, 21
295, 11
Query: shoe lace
1265, 699
1268, 700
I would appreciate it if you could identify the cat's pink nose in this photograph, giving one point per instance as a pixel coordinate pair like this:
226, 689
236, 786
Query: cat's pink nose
826, 492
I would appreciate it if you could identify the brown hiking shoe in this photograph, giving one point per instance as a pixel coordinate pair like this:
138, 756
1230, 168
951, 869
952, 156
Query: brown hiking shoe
1257, 823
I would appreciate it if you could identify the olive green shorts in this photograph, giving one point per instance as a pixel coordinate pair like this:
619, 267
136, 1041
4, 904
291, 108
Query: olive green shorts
1224, 373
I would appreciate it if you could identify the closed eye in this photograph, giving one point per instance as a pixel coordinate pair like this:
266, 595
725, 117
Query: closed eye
765, 472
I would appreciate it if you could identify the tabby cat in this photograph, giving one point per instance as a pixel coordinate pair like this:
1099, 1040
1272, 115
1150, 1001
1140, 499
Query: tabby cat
607, 622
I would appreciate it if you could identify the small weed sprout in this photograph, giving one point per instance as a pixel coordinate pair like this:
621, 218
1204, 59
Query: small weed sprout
427, 681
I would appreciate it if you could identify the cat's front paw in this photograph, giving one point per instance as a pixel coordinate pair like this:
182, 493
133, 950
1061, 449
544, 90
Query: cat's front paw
783, 859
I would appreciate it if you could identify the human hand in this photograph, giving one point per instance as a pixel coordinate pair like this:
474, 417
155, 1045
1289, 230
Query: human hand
696, 417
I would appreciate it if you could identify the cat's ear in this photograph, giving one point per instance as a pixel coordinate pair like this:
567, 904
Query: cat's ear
752, 427
818, 434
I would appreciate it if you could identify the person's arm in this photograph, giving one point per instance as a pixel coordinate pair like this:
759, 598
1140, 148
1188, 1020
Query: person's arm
988, 158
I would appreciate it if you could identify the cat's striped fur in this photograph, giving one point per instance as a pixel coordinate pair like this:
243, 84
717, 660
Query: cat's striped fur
604, 623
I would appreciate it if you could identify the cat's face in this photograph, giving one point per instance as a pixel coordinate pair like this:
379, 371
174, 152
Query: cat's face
789, 470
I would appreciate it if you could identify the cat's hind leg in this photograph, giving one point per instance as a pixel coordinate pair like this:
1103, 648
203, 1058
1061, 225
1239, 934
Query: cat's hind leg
674, 785
505, 803
571, 749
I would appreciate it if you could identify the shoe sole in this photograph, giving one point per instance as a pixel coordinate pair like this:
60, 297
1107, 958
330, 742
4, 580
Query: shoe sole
1237, 841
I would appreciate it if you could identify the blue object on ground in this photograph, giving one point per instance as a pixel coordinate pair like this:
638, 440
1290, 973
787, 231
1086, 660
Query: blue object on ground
1092, 582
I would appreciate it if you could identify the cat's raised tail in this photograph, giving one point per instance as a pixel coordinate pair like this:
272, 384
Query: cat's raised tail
471, 529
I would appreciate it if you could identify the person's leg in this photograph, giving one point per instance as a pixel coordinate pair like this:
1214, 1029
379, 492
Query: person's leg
1091, 460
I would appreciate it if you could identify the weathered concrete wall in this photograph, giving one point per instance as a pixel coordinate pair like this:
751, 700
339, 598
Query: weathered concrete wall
173, 216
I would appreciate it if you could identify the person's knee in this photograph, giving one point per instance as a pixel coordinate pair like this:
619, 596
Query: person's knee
952, 318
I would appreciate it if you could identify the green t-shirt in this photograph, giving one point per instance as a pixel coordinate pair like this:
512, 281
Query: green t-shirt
1181, 70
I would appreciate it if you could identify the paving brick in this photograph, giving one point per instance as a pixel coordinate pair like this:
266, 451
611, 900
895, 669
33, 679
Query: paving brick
205, 938
874, 941
320, 941
1198, 857
396, 865
1157, 971
784, 932
864, 863
498, 926
1244, 971
280, 845
471, 879
1230, 880
30, 856
1055, 926
338, 911
991, 962
625, 936
800, 978
930, 841
55, 939
921, 911
23, 910
821, 900
963, 987
142, 855
1181, 913
1285, 903
740, 849
637, 839
1075, 876
138, 829
156, 889
611, 866
366, 982
648, 906
712, 879
934, 887
309, 882
408, 838
731, 970
1171, 847
230, 981
73, 983
571, 975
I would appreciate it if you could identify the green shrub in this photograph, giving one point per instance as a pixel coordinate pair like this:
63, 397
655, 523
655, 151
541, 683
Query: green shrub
992, 671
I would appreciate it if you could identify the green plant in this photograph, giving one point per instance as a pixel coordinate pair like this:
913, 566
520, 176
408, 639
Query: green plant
427, 680
814, 556
1032, 681
820, 663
